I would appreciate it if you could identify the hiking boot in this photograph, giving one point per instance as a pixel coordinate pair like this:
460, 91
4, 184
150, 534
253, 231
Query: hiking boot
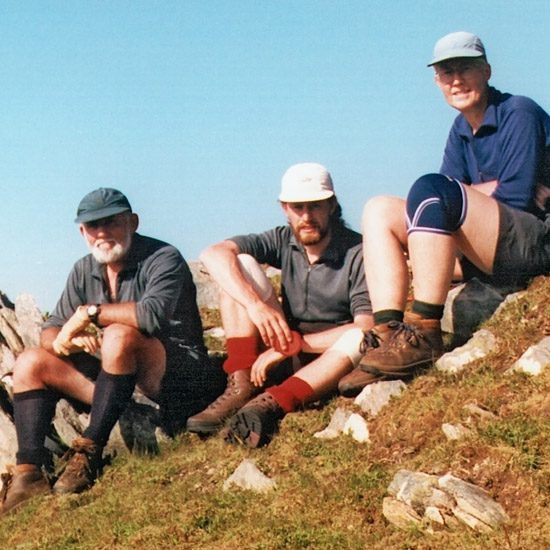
353, 383
21, 483
239, 391
413, 346
83, 467
256, 423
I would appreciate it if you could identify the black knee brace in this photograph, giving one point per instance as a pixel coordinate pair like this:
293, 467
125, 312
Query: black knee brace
436, 204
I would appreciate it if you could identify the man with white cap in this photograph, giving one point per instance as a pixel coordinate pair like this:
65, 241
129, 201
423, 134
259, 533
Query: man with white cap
324, 295
484, 215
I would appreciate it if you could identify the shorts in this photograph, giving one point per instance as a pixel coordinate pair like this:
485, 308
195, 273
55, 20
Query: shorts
191, 382
523, 250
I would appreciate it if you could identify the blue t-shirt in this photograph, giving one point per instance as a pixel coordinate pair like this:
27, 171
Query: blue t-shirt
511, 146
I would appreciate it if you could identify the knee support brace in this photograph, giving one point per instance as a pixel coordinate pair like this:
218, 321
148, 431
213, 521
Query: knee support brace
436, 204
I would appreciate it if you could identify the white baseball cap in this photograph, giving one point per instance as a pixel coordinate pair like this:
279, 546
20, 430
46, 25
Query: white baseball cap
457, 44
306, 182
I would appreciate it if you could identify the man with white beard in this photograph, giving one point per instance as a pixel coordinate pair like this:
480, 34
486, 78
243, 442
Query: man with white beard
127, 317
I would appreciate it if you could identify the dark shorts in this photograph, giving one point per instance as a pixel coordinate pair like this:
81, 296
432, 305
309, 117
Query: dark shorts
191, 382
523, 250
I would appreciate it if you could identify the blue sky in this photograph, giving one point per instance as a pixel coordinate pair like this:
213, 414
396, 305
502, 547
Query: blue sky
195, 109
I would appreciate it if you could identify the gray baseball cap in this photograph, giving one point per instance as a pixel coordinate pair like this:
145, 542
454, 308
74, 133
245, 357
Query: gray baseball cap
457, 44
101, 203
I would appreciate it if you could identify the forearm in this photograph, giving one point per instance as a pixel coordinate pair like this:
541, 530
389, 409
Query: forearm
47, 337
487, 188
123, 313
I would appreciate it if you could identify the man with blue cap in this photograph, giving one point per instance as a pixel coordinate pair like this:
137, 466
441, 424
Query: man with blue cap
484, 215
127, 317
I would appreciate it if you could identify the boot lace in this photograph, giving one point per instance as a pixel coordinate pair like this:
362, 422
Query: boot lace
371, 340
6, 482
408, 332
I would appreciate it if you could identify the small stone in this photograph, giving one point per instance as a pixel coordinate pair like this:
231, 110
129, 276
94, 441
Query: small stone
247, 476
376, 396
454, 432
479, 345
336, 425
399, 514
356, 426
534, 359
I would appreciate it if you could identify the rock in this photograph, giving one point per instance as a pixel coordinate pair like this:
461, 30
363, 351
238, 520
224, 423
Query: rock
336, 425
420, 496
207, 289
29, 320
484, 414
534, 359
356, 426
479, 345
376, 396
7, 362
8, 441
399, 514
454, 432
474, 501
247, 476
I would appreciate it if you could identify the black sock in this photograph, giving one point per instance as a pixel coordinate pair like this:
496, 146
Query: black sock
112, 394
428, 311
33, 412
387, 315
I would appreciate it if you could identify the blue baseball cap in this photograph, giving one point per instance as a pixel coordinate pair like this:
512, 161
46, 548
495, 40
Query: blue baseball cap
101, 203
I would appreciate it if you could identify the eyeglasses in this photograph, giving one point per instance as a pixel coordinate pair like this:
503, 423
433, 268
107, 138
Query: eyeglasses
465, 71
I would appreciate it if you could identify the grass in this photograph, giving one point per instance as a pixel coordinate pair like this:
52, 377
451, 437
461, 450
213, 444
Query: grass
329, 492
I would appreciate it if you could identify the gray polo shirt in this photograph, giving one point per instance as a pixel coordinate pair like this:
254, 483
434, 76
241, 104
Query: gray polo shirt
332, 290
155, 276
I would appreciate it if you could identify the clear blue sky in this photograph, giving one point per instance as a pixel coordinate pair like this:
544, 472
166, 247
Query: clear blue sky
195, 109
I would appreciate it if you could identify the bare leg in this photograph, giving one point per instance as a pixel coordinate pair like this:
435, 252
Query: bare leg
37, 369
384, 245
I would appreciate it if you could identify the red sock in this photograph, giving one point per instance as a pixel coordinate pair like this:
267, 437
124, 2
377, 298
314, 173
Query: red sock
292, 393
241, 353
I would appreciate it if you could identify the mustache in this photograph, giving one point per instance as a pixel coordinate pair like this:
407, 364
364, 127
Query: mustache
302, 225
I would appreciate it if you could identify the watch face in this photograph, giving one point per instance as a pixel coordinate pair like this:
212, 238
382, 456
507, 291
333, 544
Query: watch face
92, 311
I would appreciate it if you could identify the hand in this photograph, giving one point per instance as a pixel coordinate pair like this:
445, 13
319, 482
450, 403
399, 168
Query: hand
268, 359
271, 325
82, 342
542, 197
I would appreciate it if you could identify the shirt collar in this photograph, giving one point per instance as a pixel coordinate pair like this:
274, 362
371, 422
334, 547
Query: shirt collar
333, 252
489, 118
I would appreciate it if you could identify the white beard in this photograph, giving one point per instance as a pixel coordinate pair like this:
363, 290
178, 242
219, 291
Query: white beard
115, 254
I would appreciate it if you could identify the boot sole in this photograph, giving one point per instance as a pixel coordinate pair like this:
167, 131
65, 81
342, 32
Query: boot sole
250, 429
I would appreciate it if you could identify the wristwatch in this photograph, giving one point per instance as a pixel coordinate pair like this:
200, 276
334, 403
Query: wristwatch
93, 312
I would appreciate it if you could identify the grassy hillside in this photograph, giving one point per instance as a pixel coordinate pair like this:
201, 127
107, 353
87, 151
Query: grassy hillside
329, 493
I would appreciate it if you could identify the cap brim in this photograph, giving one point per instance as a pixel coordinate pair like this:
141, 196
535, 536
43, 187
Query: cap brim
99, 214
454, 55
321, 196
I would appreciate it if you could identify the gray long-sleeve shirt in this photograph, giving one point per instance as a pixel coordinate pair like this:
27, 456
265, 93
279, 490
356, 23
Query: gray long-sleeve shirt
155, 276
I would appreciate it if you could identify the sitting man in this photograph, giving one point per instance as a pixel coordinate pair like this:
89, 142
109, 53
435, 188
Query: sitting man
484, 215
138, 294
324, 296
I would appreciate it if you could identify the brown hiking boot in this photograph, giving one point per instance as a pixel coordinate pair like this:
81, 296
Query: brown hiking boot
238, 392
353, 383
21, 483
83, 467
414, 345
256, 423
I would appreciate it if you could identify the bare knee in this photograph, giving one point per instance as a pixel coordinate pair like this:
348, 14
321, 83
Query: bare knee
120, 339
30, 367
